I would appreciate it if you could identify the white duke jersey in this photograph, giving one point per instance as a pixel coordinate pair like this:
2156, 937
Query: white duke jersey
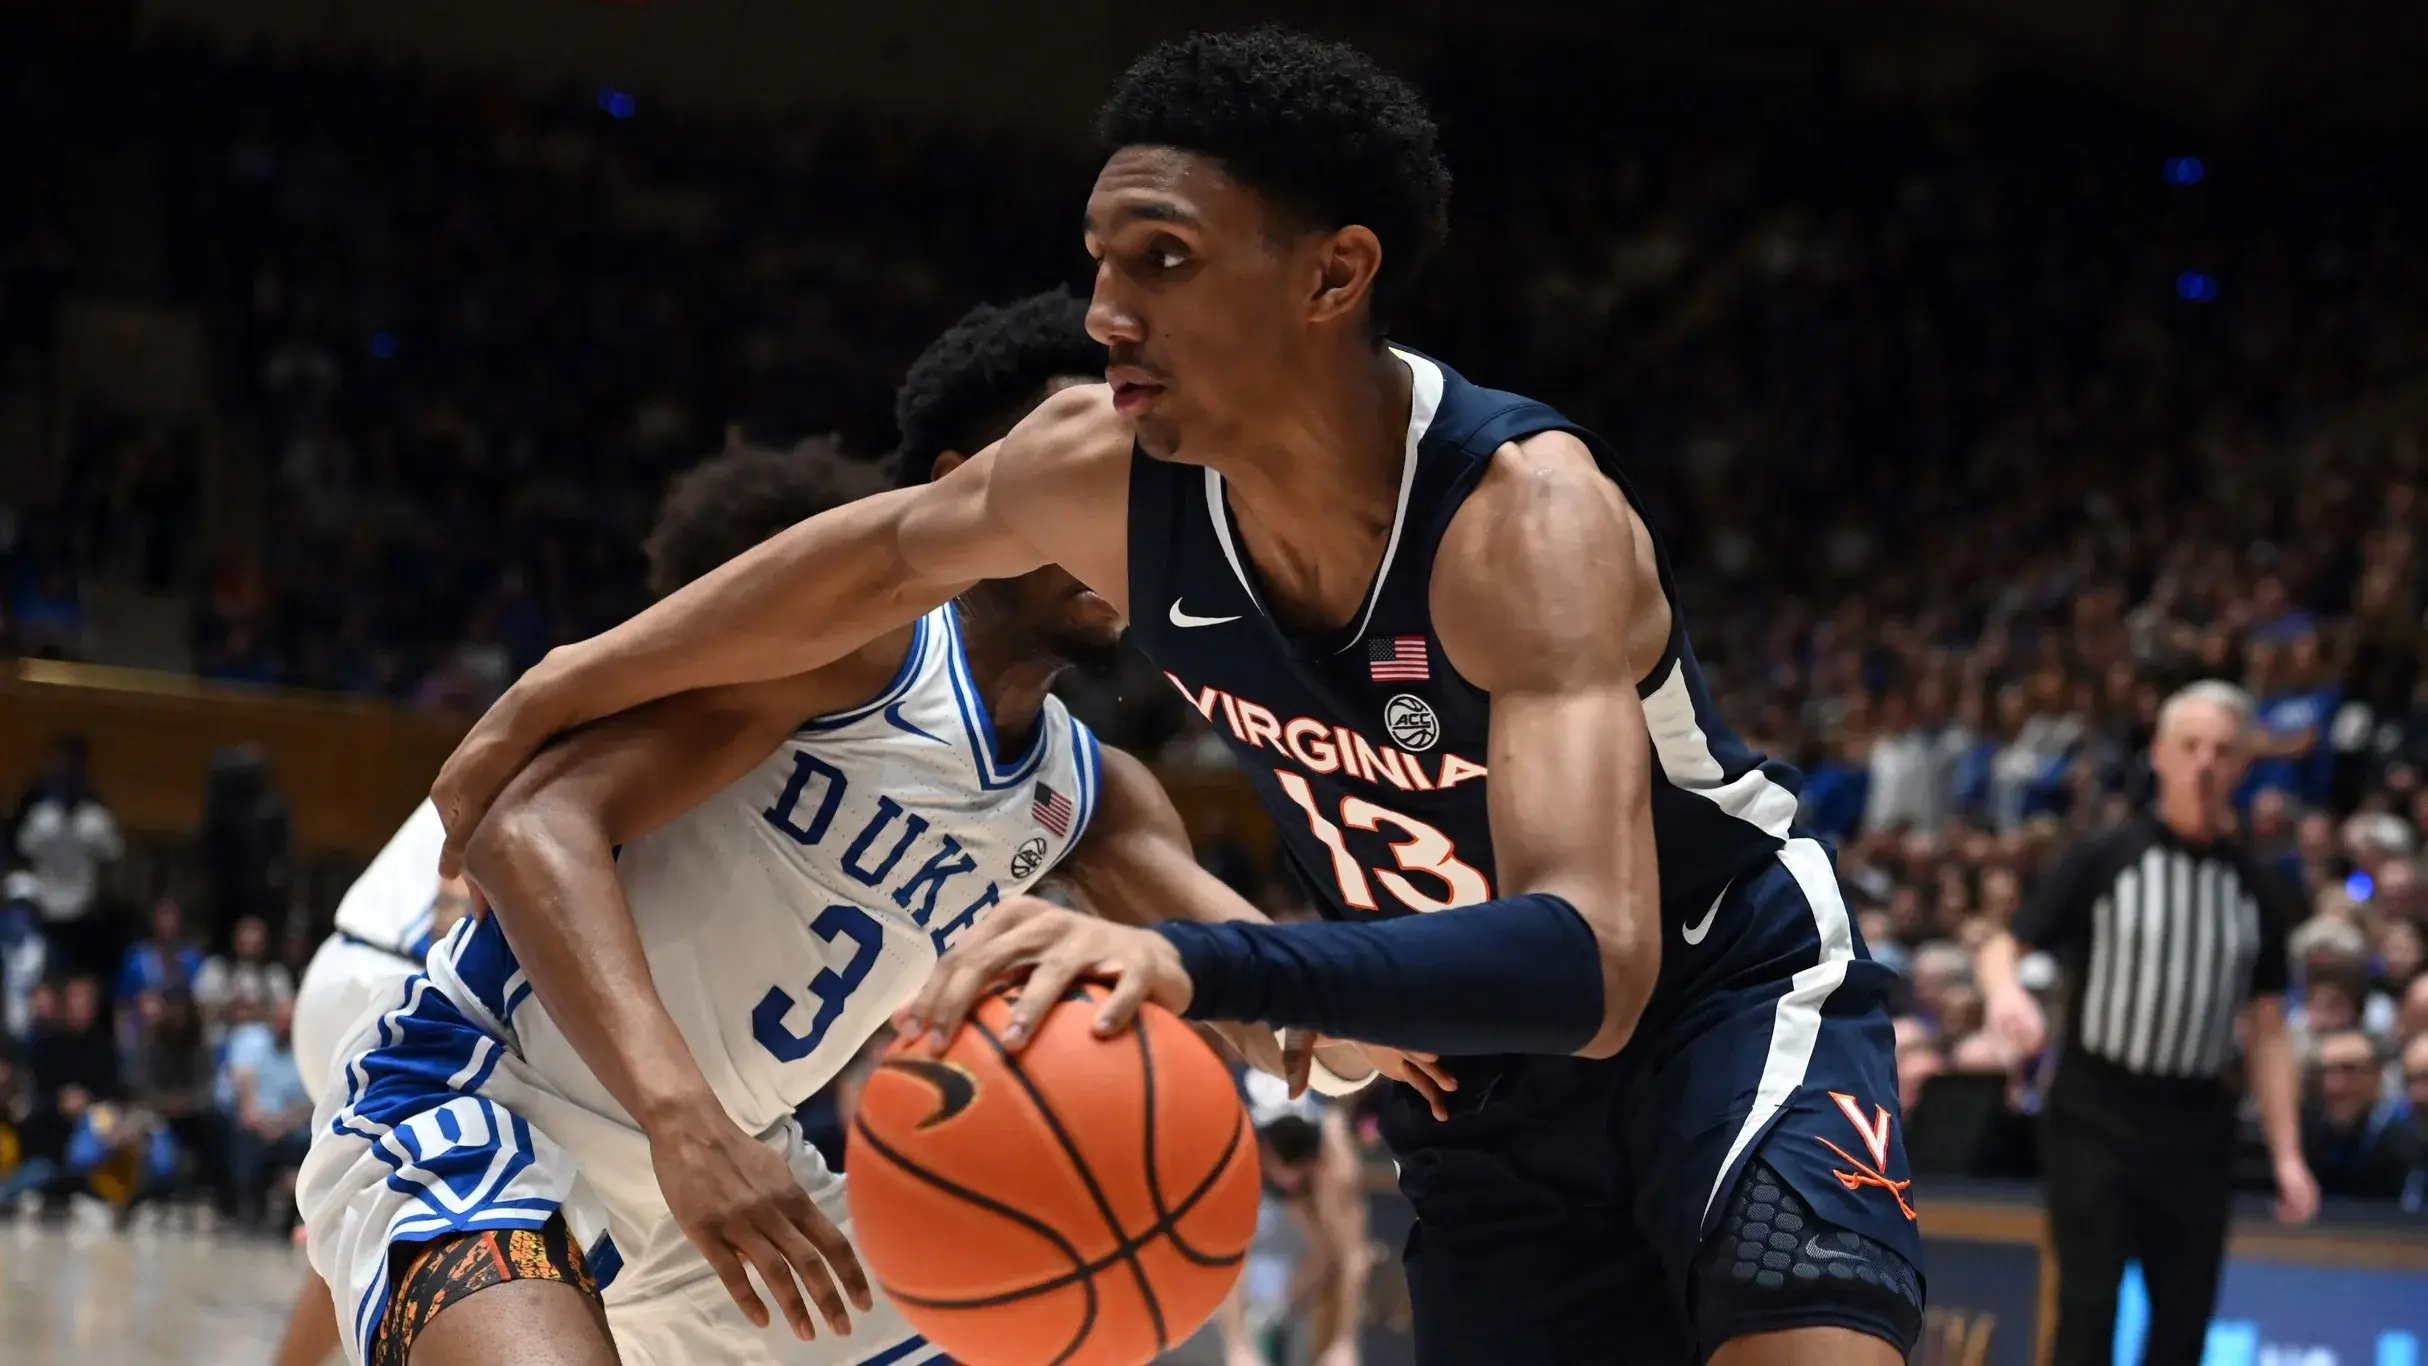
788, 916
390, 906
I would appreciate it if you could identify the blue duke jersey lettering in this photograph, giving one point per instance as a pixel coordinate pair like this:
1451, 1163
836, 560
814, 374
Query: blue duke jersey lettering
1365, 744
786, 917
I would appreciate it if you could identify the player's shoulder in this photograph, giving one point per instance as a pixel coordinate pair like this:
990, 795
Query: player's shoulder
1542, 497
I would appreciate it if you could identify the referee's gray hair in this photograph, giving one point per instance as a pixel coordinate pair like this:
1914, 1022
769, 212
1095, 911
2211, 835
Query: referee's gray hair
2215, 691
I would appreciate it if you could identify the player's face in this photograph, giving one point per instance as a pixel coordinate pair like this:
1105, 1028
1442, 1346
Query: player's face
1200, 299
1064, 617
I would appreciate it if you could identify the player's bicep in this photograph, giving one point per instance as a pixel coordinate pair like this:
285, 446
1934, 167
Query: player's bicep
1532, 595
1579, 819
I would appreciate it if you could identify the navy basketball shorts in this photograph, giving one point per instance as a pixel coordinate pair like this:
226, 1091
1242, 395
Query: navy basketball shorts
1738, 1169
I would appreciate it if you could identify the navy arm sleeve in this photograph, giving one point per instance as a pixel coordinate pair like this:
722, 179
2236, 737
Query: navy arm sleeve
1519, 975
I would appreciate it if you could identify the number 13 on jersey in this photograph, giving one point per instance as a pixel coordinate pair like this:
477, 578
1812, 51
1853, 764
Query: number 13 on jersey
1421, 848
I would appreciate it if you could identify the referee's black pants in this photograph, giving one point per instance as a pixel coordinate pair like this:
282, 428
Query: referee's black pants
2136, 1173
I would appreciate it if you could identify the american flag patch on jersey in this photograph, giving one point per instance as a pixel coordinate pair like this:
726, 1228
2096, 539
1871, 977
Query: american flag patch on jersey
1397, 659
1052, 810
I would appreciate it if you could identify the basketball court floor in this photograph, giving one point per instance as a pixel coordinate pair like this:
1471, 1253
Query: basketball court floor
91, 1297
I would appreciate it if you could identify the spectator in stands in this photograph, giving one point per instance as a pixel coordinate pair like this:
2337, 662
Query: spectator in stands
19, 1169
118, 1155
24, 955
245, 839
169, 1074
33, 1150
164, 963
66, 834
271, 1117
245, 973
1918, 1060
74, 1051
2411, 1017
2415, 1094
49, 620
1910, 772
2359, 1141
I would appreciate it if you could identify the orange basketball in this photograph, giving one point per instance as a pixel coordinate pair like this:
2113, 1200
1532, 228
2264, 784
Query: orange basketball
1085, 1202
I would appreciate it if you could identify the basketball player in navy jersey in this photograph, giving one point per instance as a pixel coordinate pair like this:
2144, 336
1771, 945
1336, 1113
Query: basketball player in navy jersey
1436, 632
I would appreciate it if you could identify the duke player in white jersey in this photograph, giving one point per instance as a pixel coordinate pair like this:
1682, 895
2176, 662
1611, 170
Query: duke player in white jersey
385, 924
702, 908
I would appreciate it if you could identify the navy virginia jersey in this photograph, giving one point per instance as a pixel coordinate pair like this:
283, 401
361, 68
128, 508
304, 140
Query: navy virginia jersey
1567, 1202
1364, 743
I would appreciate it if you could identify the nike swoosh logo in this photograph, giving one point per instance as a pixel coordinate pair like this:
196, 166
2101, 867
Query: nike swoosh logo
1694, 933
1814, 1250
955, 1087
1184, 620
895, 718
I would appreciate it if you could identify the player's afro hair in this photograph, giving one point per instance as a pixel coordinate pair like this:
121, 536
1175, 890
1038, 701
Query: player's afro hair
971, 384
1315, 126
730, 502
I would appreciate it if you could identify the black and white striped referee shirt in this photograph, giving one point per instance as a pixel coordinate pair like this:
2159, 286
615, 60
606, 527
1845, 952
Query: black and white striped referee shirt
2163, 941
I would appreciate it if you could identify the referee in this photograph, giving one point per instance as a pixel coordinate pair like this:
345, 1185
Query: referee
2169, 934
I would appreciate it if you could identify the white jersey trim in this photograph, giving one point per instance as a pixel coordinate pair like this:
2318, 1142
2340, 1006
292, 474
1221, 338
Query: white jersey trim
905, 678
993, 774
1087, 766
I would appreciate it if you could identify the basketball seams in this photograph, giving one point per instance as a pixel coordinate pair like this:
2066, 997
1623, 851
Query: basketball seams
1169, 1219
1101, 1312
1082, 1268
1081, 1275
1124, 1247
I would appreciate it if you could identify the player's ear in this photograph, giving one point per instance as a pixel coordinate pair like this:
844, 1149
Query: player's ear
1348, 262
946, 463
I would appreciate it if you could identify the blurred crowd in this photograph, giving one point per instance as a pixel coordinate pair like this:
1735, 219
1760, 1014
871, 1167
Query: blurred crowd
1973, 430
145, 1058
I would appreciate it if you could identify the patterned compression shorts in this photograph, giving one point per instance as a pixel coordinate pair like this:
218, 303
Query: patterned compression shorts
436, 1274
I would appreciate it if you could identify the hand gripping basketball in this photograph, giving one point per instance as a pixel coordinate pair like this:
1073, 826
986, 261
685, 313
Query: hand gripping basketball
1056, 948
738, 1202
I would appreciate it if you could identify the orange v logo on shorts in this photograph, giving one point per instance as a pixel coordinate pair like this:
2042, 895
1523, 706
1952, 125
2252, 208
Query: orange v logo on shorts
1875, 1142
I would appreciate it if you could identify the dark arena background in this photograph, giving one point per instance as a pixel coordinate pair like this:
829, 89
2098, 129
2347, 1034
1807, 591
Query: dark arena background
1991, 369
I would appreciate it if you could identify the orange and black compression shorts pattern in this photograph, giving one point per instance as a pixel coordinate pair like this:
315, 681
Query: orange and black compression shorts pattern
434, 1275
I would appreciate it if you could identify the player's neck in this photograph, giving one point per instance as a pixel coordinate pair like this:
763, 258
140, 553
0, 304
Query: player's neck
1315, 494
1012, 677
1334, 445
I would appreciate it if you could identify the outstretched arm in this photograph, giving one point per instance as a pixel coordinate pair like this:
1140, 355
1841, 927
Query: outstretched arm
545, 857
818, 591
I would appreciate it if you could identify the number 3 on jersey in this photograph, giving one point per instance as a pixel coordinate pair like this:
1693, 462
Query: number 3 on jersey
1422, 849
830, 989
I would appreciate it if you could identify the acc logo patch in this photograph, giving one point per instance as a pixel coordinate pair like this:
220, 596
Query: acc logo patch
1412, 724
1026, 858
